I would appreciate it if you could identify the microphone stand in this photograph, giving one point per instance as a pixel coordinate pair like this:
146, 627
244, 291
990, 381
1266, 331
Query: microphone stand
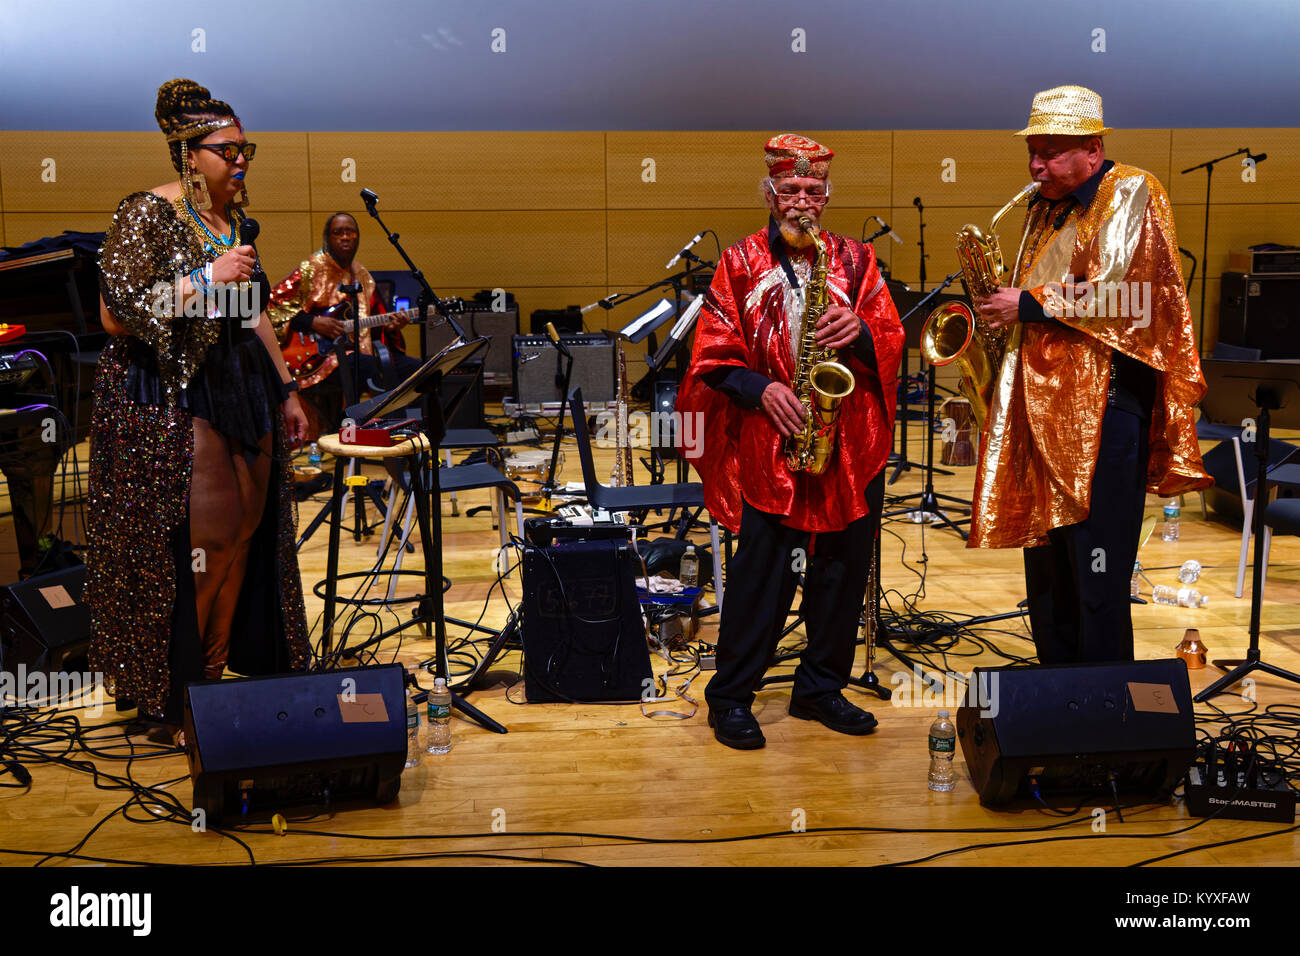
549, 488
929, 501
1208, 166
424, 483
903, 464
353, 290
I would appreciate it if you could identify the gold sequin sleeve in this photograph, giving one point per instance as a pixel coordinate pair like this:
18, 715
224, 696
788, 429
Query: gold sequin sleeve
144, 250
288, 298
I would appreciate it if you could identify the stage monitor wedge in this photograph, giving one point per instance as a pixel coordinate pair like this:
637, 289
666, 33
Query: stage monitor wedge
1031, 733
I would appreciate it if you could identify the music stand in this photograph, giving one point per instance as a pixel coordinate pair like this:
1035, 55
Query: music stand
1233, 402
423, 382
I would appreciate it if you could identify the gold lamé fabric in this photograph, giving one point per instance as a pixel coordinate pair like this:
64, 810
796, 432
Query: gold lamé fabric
141, 466
751, 319
314, 287
1039, 451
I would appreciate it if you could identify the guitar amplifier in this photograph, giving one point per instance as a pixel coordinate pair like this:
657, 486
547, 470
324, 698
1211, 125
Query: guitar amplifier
582, 631
539, 368
1285, 260
1258, 311
479, 319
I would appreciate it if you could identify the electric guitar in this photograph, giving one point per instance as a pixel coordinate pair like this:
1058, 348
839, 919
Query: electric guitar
310, 355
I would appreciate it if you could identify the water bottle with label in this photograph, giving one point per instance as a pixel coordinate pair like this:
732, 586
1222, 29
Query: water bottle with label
689, 571
439, 732
313, 456
943, 744
1172, 512
1135, 586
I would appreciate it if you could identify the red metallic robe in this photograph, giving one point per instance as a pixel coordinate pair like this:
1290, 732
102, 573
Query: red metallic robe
747, 321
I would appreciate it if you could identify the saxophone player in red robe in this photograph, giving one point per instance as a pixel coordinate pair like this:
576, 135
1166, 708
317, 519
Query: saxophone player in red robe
744, 364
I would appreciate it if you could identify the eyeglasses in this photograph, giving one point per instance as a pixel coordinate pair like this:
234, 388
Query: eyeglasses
816, 196
230, 151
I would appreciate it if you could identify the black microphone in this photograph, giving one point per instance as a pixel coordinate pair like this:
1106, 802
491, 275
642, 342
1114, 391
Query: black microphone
248, 231
369, 199
917, 202
1258, 159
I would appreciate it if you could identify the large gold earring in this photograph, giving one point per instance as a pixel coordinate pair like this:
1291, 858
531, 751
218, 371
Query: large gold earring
241, 197
193, 183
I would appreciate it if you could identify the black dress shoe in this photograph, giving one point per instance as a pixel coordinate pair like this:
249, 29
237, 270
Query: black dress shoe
736, 727
835, 712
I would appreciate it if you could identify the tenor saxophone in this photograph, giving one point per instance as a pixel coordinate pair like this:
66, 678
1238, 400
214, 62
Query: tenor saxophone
954, 333
821, 382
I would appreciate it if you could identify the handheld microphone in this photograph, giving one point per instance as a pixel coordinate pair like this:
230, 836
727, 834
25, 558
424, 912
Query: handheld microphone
248, 231
685, 249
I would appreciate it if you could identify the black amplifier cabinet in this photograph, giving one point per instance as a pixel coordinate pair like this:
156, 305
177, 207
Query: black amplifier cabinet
479, 319
582, 630
1261, 311
537, 368
264, 745
1071, 729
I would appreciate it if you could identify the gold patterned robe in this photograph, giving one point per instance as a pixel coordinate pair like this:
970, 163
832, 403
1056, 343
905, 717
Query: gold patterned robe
1039, 450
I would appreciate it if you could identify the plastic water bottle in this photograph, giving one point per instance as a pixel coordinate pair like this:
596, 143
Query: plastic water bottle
1186, 597
412, 726
313, 456
1135, 587
689, 571
1189, 572
1170, 531
439, 711
943, 744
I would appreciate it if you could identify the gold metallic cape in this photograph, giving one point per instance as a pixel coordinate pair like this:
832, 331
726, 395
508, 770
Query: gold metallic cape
1039, 451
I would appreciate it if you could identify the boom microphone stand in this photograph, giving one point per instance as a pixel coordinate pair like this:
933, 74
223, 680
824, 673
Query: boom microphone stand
1208, 166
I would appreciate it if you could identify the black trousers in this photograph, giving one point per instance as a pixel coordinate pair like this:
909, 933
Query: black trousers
1078, 584
761, 581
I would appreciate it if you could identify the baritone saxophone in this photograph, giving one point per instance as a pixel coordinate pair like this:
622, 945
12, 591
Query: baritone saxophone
954, 333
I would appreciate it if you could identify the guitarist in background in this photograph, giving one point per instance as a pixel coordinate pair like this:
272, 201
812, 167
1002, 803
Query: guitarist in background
296, 308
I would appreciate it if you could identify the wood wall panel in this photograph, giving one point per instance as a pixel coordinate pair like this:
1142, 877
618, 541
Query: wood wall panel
93, 171
723, 170
489, 249
283, 242
1277, 179
460, 171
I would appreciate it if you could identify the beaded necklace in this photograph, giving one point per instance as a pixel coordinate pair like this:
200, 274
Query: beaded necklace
213, 245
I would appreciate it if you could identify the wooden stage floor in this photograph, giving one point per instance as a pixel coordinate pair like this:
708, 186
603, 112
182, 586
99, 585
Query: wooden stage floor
604, 784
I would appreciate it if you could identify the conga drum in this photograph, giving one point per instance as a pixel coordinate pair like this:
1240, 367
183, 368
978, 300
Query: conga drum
958, 448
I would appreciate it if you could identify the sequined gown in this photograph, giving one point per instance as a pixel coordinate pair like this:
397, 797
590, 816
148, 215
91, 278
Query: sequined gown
150, 385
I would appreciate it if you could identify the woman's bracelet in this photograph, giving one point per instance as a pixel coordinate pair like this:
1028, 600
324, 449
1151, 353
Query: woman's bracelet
287, 389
